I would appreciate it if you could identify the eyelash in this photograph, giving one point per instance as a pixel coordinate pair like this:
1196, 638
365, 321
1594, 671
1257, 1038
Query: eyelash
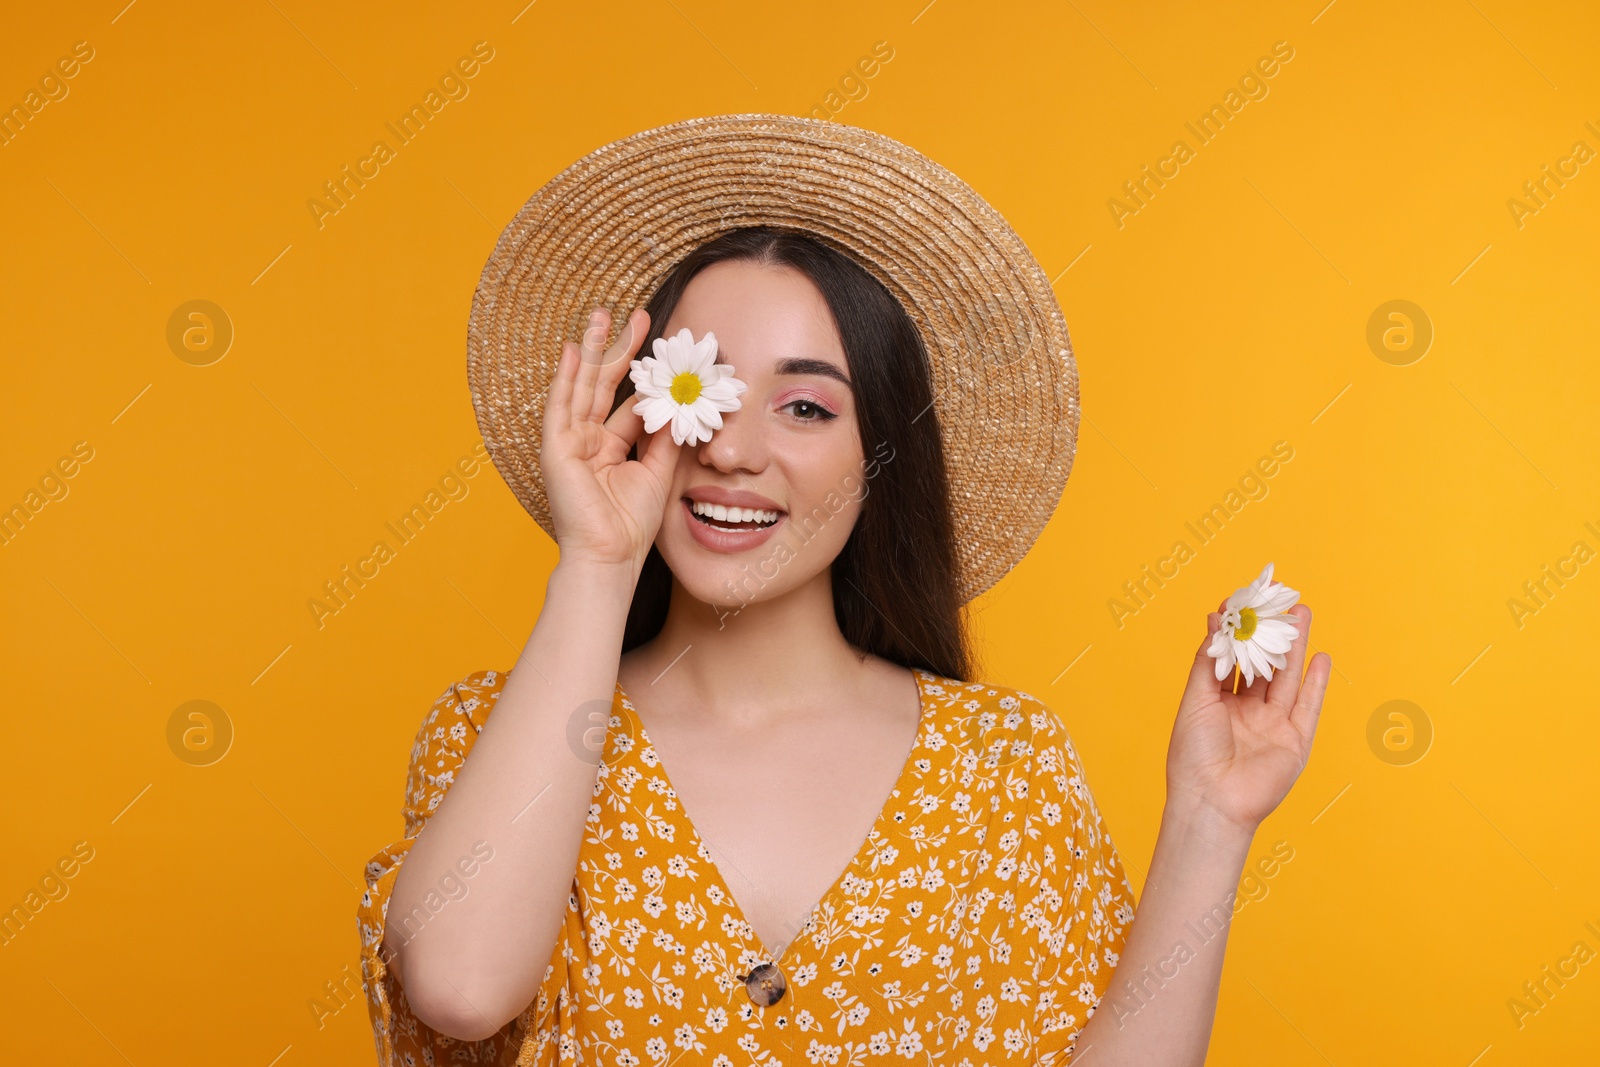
825, 416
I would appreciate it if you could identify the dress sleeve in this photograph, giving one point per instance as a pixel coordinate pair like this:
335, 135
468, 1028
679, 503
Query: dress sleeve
443, 740
1082, 903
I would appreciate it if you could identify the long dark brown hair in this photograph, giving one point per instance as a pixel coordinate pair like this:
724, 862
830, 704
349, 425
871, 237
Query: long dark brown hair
895, 581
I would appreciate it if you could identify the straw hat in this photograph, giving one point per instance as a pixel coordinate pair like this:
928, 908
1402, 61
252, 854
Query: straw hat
606, 231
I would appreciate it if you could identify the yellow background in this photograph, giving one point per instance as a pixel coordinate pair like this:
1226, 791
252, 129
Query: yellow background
1230, 312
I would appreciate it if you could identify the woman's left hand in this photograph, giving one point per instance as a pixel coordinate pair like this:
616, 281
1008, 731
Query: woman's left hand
1235, 755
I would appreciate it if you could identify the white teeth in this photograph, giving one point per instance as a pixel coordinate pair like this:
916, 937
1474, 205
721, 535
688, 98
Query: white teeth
727, 514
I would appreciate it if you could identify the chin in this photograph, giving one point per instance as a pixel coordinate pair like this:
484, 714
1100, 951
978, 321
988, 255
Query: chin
730, 583
726, 585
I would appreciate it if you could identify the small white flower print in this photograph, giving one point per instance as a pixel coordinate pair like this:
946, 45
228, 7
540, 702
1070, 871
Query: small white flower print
909, 1043
685, 1037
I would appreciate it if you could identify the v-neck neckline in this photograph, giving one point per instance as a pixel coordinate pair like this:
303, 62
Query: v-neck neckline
869, 845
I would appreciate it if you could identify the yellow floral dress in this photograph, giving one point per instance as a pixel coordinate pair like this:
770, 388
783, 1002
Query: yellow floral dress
979, 923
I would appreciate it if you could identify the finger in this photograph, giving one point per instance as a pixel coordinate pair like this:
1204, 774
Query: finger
590, 349
661, 454
616, 361
1286, 679
1203, 683
558, 405
631, 338
1307, 709
628, 426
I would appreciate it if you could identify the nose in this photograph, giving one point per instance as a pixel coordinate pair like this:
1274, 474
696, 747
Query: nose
738, 445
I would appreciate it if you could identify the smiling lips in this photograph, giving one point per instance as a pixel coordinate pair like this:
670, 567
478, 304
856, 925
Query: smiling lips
732, 519
727, 529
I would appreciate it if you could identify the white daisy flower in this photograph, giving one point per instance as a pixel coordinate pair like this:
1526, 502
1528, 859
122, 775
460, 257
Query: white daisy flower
683, 384
1256, 629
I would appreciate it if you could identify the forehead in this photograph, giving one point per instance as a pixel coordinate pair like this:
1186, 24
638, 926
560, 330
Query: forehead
760, 313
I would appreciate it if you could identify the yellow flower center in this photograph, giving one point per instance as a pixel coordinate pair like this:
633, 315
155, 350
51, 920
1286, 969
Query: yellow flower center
1247, 624
686, 388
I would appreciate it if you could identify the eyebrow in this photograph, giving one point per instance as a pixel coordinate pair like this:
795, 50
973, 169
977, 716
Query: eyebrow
819, 367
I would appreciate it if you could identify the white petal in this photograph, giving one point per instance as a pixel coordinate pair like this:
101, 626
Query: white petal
706, 412
700, 363
706, 350
662, 378
1259, 659
1279, 599
656, 412
693, 432
720, 401
680, 351
1273, 635
1225, 663
1259, 588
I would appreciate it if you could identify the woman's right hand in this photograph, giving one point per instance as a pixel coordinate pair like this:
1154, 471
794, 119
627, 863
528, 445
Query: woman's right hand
606, 508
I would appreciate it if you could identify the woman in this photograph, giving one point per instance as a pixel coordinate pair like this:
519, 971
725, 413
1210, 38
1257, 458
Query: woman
743, 890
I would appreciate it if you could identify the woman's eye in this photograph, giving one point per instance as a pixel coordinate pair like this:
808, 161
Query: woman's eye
810, 411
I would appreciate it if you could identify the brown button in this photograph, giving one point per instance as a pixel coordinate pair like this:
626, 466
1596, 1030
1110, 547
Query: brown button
765, 985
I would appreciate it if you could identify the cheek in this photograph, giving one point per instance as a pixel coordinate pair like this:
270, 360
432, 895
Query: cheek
831, 486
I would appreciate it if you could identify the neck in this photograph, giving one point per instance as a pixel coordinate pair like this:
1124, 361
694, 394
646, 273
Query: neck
744, 659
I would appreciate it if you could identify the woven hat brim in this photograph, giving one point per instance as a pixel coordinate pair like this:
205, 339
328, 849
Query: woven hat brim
607, 229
